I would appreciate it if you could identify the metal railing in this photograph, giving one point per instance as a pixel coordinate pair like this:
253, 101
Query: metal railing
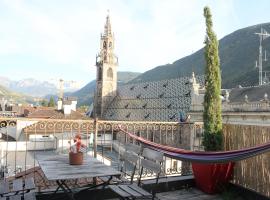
23, 139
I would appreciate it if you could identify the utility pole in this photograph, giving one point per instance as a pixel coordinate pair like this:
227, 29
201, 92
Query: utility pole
262, 35
61, 89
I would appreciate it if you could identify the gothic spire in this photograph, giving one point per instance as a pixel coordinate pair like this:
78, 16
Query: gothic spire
107, 27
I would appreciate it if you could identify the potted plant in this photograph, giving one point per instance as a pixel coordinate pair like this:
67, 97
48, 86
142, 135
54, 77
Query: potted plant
211, 177
76, 151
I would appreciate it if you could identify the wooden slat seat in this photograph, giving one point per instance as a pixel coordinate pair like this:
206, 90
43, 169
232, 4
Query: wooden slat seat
15, 197
17, 185
4, 187
140, 190
30, 196
130, 190
20, 188
3, 198
119, 191
29, 184
130, 154
136, 149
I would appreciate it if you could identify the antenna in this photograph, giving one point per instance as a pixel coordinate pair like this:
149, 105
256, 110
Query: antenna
265, 58
61, 89
262, 35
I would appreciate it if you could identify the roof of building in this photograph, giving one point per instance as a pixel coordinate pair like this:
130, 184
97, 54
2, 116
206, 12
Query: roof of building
67, 102
71, 98
53, 114
151, 101
255, 93
42, 113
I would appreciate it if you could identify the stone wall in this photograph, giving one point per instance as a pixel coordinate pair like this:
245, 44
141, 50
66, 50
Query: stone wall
252, 173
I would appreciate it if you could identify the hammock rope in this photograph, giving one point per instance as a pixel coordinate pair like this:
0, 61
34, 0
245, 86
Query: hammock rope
202, 156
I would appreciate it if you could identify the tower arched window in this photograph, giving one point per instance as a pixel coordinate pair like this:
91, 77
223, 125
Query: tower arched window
99, 73
110, 44
110, 73
104, 45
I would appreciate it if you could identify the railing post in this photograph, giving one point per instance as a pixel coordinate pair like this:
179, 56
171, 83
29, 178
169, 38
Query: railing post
95, 136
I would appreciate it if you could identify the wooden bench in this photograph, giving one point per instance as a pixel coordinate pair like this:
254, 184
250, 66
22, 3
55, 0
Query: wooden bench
151, 161
128, 148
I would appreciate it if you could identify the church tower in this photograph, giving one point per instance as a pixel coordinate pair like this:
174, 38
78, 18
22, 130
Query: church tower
106, 77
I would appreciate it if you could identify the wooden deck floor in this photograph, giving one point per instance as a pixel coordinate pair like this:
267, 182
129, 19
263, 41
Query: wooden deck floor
190, 194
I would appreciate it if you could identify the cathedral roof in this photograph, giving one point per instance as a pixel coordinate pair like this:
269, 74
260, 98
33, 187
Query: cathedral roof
151, 101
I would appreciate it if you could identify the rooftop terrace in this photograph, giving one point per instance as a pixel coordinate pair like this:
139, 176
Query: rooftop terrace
105, 141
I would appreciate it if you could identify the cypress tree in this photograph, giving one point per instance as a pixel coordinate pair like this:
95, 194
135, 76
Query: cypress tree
51, 102
212, 119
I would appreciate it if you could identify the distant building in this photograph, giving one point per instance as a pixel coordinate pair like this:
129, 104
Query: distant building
9, 108
66, 109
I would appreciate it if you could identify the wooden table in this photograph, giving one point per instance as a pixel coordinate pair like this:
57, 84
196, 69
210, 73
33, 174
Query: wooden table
57, 168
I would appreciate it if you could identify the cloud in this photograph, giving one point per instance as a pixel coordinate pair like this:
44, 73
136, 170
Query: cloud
64, 35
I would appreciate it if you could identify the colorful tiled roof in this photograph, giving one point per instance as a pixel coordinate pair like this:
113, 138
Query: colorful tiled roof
152, 101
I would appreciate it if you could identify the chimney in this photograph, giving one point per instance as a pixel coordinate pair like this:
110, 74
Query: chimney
67, 109
59, 104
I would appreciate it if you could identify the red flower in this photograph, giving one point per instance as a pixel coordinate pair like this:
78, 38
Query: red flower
78, 144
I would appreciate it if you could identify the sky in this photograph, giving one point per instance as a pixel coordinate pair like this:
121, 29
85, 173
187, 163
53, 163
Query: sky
48, 39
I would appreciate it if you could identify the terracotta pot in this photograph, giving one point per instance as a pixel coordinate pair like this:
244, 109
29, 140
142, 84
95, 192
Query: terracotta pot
75, 158
212, 178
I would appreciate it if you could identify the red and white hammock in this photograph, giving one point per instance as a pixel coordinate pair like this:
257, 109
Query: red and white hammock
202, 156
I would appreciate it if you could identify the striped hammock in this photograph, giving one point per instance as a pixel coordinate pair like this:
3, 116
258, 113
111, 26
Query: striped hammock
202, 156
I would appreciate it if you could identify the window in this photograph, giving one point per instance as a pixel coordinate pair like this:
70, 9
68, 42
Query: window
104, 45
110, 73
99, 74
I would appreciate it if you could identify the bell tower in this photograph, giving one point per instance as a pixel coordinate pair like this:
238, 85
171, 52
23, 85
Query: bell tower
106, 76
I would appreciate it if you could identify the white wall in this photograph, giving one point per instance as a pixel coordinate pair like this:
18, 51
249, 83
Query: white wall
28, 146
22, 124
67, 109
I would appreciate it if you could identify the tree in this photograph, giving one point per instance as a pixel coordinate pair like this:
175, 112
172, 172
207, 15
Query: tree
212, 119
44, 103
51, 102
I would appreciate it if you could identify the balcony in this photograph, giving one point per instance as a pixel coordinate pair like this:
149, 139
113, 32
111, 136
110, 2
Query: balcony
28, 139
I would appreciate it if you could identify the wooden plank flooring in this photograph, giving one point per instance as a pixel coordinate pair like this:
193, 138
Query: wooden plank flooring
190, 194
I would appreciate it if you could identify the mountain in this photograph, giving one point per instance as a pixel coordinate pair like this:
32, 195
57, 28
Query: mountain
33, 87
86, 94
29, 86
238, 52
4, 81
38, 88
14, 96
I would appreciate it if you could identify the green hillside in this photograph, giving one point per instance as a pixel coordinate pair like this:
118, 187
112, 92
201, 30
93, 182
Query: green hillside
238, 52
